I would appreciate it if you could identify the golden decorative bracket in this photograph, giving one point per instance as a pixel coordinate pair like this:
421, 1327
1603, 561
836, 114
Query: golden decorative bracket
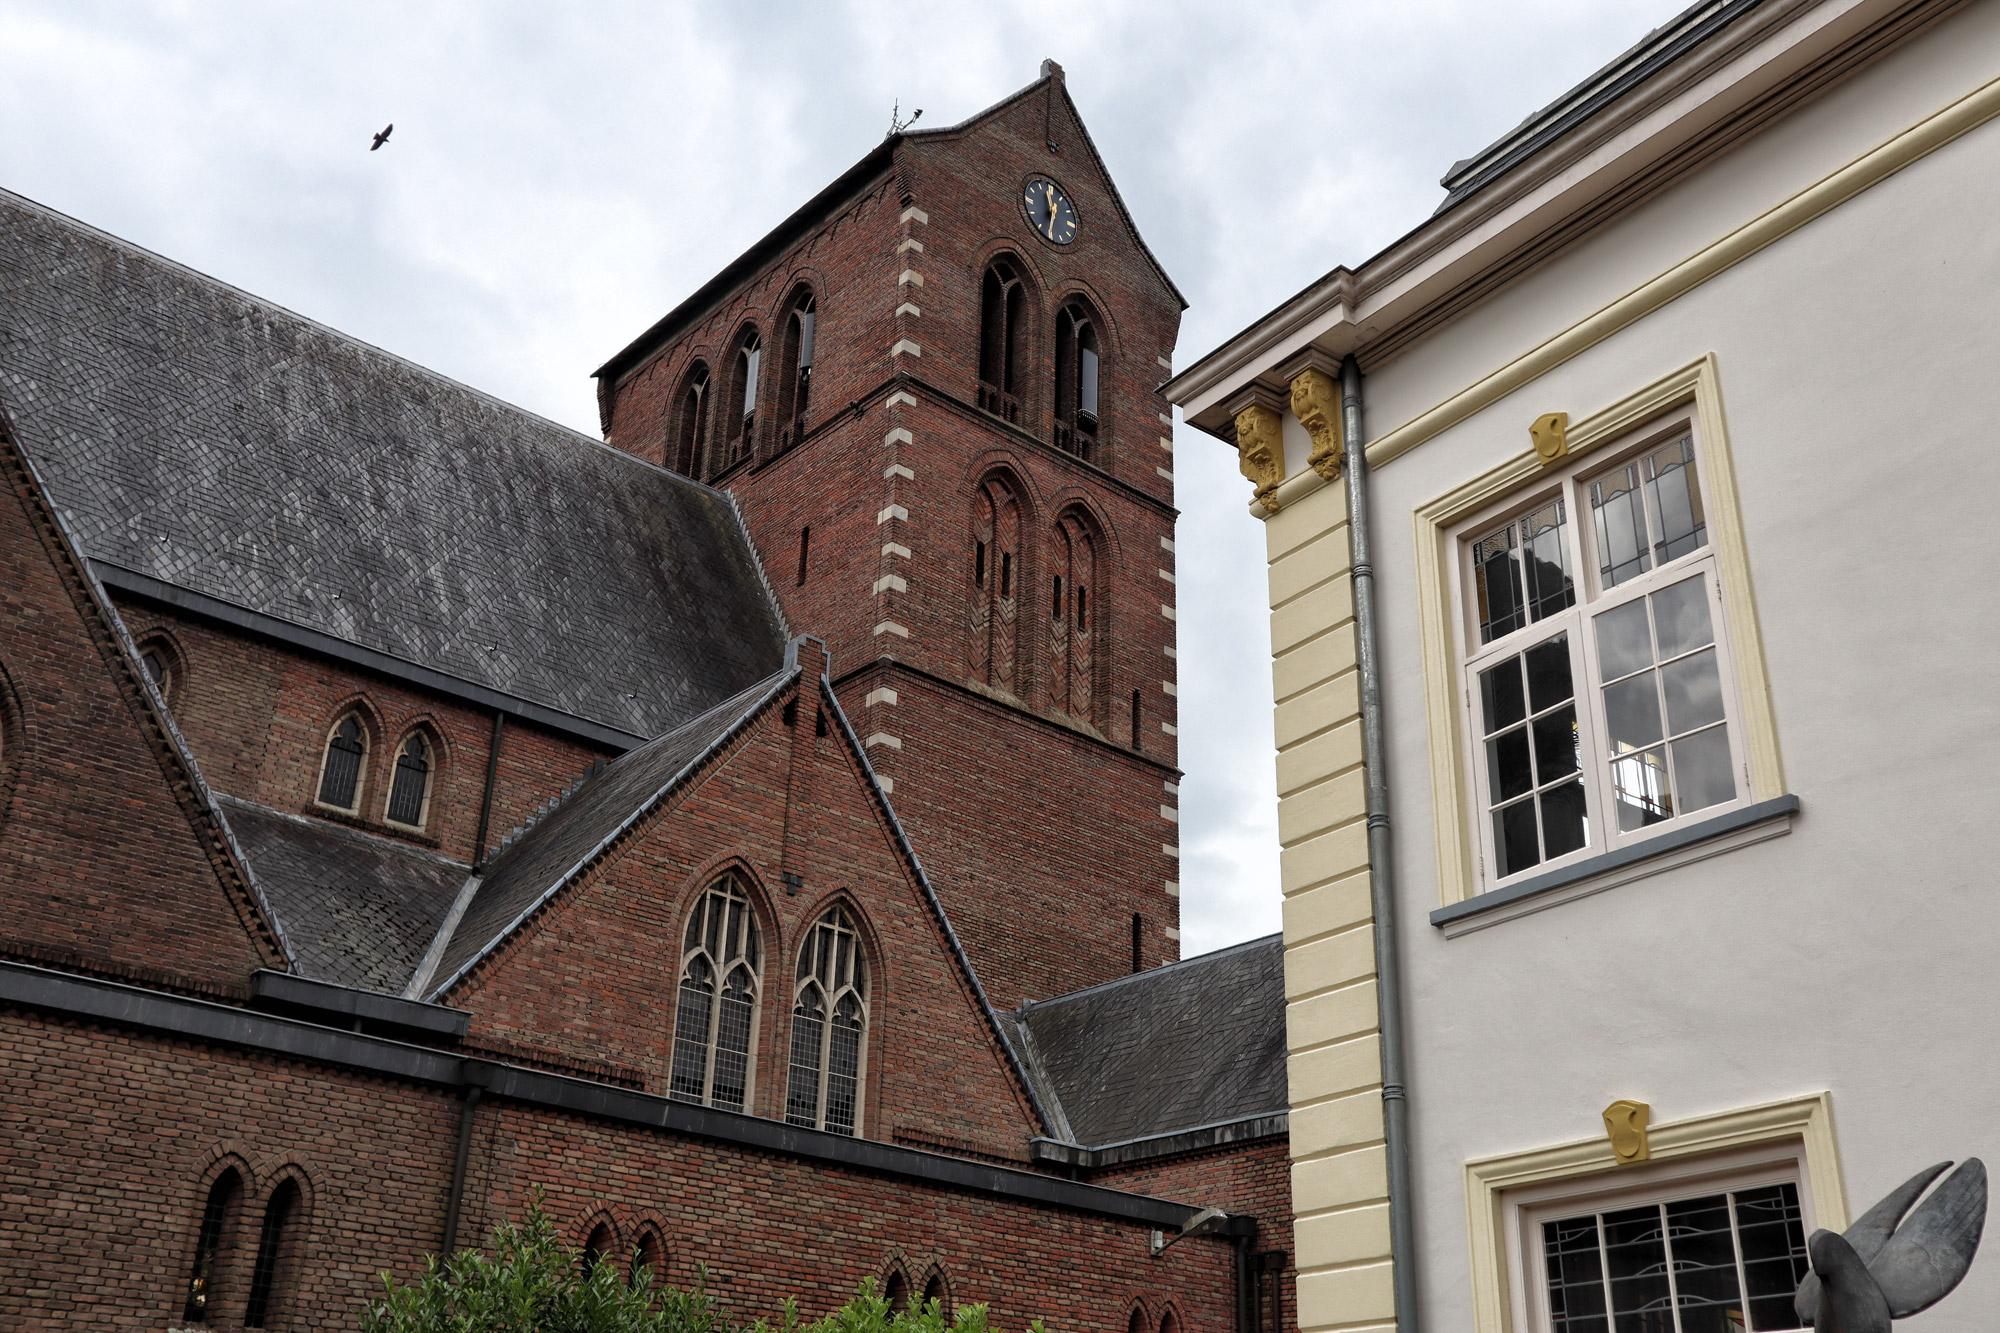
1626, 1123
1260, 451
1316, 403
1551, 436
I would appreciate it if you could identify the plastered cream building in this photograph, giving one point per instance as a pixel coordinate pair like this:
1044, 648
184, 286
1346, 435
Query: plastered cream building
1634, 755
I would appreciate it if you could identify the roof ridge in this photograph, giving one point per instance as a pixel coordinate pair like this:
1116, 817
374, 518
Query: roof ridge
1100, 987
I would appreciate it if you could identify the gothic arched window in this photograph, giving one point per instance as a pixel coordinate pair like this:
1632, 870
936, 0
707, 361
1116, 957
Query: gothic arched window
691, 430
938, 1290
410, 790
340, 766
996, 557
1076, 381
216, 1215
274, 1246
796, 368
742, 405
1003, 301
650, 1254
829, 1027
1074, 639
715, 1030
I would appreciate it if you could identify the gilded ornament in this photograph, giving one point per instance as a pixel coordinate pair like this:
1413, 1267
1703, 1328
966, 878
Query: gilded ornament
1260, 451
1551, 436
1316, 403
1626, 1123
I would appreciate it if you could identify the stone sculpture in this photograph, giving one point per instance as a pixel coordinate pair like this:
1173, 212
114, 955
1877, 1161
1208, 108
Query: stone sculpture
1887, 1266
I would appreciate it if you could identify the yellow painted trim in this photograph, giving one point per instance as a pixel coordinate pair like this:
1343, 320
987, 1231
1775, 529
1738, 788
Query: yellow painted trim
1697, 383
1920, 140
1808, 1120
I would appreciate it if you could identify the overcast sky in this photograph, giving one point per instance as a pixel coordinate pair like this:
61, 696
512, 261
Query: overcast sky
561, 175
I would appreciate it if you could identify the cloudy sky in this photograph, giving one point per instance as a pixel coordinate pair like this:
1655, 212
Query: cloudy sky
561, 175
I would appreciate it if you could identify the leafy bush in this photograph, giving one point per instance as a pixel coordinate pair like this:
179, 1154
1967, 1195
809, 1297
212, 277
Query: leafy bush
535, 1282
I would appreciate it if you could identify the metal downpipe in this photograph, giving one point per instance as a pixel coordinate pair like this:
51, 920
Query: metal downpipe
1381, 863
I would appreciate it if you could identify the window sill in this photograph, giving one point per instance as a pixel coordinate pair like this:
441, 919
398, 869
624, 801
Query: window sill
333, 814
1697, 842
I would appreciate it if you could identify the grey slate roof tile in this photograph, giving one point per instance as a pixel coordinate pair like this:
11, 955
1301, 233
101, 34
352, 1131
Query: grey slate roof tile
1193, 1043
542, 858
198, 435
357, 909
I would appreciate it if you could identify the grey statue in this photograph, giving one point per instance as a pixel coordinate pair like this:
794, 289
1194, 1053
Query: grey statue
1878, 1270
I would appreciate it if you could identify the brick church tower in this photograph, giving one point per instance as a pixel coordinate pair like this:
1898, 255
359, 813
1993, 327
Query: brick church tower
933, 391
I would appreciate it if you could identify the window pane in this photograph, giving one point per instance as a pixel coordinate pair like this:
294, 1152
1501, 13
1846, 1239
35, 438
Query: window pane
1496, 578
1673, 501
1632, 713
1621, 527
1556, 745
1693, 688
1773, 1238
1564, 826
1702, 775
1623, 642
808, 1039
691, 1033
1635, 1254
1639, 789
1681, 615
1576, 1276
843, 1075
1548, 673
1705, 1265
1500, 692
1545, 561
1507, 772
1514, 844
732, 1042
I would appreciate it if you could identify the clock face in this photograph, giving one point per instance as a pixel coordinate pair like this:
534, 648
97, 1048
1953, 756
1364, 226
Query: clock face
1049, 211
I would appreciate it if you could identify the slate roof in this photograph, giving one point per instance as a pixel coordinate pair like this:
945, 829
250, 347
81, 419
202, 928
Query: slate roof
357, 909
539, 862
1194, 1043
200, 436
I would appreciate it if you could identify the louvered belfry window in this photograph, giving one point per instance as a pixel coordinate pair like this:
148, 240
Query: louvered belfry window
340, 773
829, 1027
715, 1030
413, 782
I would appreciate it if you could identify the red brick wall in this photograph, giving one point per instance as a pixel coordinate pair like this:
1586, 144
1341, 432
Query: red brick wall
104, 1239
98, 855
595, 976
257, 716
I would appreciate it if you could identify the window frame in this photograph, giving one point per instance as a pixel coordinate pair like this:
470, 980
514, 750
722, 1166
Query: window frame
433, 764
1693, 389
842, 919
1592, 600
727, 882
361, 765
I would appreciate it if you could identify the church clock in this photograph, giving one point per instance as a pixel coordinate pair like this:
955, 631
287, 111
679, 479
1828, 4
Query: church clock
1049, 211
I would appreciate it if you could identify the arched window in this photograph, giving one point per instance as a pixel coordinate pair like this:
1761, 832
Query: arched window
691, 434
217, 1216
1076, 382
1003, 301
1073, 644
650, 1255
1170, 1323
996, 542
273, 1246
161, 662
715, 1032
796, 369
937, 1290
1138, 1323
896, 1291
829, 1027
597, 1246
742, 405
410, 791
340, 767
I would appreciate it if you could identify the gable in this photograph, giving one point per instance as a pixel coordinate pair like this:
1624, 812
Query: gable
112, 857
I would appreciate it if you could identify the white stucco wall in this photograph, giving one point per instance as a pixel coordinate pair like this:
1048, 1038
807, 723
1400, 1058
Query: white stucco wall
1859, 361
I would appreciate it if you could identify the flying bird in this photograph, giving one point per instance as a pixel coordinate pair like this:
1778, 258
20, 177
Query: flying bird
1879, 1270
383, 137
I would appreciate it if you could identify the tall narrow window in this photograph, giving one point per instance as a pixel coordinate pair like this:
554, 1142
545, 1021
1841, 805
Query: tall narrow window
896, 1291
271, 1252
597, 1246
1073, 651
829, 1027
715, 1030
805, 550
1135, 720
691, 440
340, 766
216, 1216
410, 792
743, 397
936, 1290
1076, 382
992, 658
1138, 941
651, 1256
795, 383
1002, 308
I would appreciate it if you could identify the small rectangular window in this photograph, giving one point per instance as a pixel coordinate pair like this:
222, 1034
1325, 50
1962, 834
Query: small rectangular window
1086, 388
1056, 606
806, 319
1006, 574
805, 549
979, 563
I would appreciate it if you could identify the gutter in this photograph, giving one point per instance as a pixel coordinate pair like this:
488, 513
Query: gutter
1381, 863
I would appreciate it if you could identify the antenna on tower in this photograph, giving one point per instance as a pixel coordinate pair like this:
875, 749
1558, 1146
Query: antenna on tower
896, 122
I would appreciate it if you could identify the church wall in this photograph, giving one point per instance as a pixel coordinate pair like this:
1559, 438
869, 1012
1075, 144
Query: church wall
105, 1239
596, 976
256, 715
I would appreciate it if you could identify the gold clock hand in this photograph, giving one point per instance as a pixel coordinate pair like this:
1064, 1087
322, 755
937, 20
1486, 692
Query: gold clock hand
1050, 191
